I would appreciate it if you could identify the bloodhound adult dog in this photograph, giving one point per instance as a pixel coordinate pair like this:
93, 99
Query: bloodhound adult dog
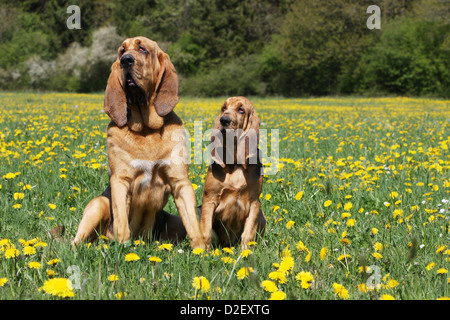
141, 93
230, 203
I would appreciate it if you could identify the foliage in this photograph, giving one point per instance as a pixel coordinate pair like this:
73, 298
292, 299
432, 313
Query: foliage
294, 48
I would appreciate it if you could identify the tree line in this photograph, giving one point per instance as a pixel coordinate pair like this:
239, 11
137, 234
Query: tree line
247, 47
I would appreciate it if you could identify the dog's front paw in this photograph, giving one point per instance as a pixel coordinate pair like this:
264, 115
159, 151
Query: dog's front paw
198, 242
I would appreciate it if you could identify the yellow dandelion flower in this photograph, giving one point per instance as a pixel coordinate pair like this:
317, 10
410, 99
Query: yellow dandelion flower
278, 276
3, 281
131, 257
290, 224
351, 222
60, 287
120, 295
228, 250
11, 253
344, 256
136, 242
18, 196
387, 297
244, 272
269, 286
308, 257
442, 271
392, 283
53, 261
345, 215
40, 244
29, 250
9, 175
277, 295
286, 265
113, 277
301, 246
246, 252
198, 251
363, 288
166, 246
299, 195
201, 284
430, 266
154, 259
228, 260
34, 265
377, 255
305, 278
348, 206
268, 196
378, 246
394, 194
340, 291
327, 203
323, 253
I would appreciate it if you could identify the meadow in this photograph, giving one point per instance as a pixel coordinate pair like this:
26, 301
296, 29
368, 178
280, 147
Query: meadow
358, 207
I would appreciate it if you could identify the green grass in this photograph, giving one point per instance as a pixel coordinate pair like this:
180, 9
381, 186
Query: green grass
367, 152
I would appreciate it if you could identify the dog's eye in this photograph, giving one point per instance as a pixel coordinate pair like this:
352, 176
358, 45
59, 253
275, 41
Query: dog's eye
122, 51
142, 49
241, 110
223, 108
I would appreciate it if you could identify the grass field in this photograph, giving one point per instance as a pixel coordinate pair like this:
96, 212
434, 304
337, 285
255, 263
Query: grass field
358, 207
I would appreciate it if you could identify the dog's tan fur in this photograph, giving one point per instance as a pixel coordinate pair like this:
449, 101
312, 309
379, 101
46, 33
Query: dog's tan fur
141, 137
230, 204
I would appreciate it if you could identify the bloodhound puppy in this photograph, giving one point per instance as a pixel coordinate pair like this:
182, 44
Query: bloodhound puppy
230, 204
141, 93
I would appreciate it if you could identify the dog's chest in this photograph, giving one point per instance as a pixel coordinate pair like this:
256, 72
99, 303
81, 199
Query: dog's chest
234, 199
148, 169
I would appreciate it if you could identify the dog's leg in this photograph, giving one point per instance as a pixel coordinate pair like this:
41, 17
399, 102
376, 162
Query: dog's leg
251, 224
261, 224
206, 221
184, 196
120, 200
95, 216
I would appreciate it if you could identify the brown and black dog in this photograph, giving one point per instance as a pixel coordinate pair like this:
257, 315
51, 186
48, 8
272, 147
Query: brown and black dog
141, 93
230, 204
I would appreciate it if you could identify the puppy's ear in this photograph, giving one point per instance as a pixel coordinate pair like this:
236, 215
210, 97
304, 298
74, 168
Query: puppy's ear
216, 144
167, 92
247, 148
115, 105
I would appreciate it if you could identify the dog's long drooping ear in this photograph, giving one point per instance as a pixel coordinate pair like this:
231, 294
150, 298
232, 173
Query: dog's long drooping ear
167, 94
247, 148
216, 144
115, 105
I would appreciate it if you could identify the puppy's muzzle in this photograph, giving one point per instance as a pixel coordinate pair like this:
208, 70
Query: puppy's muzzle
225, 121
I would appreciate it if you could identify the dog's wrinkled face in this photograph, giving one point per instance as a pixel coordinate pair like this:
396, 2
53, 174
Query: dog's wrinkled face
139, 64
235, 114
142, 87
237, 120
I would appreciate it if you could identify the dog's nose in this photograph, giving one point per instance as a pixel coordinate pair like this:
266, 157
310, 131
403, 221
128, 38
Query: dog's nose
126, 60
225, 121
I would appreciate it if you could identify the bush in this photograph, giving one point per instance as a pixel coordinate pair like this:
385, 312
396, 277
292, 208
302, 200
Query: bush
411, 58
233, 78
